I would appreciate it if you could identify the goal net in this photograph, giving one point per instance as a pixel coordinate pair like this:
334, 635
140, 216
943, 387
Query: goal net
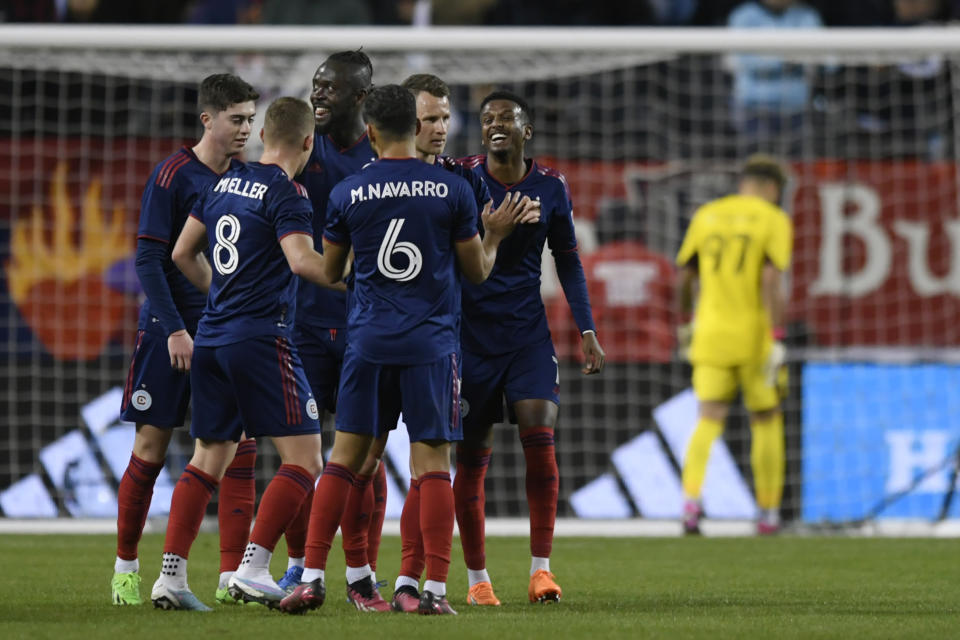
646, 125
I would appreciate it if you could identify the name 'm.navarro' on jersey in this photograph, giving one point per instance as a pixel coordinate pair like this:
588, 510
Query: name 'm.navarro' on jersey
398, 189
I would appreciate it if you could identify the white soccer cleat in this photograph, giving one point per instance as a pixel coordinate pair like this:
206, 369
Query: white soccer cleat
168, 598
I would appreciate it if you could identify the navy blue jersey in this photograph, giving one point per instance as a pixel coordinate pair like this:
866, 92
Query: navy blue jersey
402, 218
321, 308
169, 197
506, 312
253, 292
480, 191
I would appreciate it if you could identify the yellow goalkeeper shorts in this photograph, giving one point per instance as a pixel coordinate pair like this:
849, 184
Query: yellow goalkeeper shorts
720, 384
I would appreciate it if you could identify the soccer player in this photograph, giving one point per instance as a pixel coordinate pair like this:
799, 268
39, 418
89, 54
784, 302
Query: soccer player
341, 148
507, 350
738, 247
245, 371
433, 115
157, 389
409, 225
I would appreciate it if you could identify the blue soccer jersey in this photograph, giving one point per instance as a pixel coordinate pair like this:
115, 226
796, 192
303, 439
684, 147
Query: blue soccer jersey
402, 218
253, 291
506, 312
168, 198
320, 308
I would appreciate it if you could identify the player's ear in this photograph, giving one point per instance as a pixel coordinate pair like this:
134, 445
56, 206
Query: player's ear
527, 131
261, 134
206, 120
308, 143
419, 127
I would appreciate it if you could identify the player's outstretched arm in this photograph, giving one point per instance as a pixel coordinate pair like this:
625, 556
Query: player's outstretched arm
476, 257
188, 254
593, 353
305, 262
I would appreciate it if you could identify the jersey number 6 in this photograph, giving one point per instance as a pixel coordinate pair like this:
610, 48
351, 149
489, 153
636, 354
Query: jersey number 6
390, 247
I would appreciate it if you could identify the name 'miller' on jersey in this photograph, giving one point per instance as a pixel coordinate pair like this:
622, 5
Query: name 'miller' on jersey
405, 304
253, 292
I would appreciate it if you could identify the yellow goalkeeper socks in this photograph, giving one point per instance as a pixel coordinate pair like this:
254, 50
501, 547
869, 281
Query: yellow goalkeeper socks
768, 460
698, 452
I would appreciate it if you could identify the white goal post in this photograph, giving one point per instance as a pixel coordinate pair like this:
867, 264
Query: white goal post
646, 124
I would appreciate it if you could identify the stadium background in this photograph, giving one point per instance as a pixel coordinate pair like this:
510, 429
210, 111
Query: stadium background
643, 137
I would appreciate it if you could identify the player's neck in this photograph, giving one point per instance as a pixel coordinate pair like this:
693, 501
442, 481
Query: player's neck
398, 149
210, 156
346, 137
282, 159
429, 158
509, 169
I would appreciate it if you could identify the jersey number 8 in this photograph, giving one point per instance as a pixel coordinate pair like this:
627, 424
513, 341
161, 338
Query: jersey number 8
389, 247
227, 232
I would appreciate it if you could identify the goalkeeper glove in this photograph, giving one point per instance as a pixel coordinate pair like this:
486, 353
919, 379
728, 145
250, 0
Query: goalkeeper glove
776, 359
684, 338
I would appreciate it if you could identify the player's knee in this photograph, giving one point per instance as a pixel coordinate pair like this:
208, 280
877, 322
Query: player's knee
714, 410
763, 418
150, 443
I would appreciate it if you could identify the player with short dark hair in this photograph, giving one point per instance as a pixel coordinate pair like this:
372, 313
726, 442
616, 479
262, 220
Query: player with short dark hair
738, 247
341, 148
507, 349
245, 373
157, 390
409, 225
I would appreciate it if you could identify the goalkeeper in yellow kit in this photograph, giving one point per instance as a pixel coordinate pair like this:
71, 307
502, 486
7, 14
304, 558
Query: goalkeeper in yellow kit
738, 248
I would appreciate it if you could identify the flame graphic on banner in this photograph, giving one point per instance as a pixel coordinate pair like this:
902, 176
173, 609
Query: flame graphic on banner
56, 278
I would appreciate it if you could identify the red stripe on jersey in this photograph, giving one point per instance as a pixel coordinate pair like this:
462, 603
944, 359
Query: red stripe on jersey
172, 171
301, 190
283, 379
166, 164
128, 388
149, 237
456, 391
472, 161
331, 241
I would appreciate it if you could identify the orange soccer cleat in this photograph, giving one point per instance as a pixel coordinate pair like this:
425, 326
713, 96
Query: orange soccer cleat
482, 594
543, 588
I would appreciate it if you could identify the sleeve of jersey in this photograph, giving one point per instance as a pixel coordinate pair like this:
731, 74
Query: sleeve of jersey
780, 243
336, 231
563, 243
291, 211
149, 266
467, 216
689, 246
157, 207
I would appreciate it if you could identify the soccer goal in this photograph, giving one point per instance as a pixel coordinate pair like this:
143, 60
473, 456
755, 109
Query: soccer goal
646, 124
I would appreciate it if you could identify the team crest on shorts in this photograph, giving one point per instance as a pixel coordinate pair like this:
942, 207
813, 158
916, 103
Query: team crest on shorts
312, 410
141, 400
464, 406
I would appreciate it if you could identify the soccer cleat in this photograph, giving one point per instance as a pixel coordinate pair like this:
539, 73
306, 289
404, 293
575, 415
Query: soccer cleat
126, 588
767, 528
543, 588
167, 598
223, 597
405, 600
289, 581
261, 590
305, 596
363, 594
692, 512
482, 594
431, 605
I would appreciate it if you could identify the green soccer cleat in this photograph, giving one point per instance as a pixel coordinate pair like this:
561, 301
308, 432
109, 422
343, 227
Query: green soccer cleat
223, 597
126, 588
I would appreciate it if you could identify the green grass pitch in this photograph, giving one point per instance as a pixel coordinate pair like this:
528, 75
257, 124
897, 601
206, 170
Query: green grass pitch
58, 586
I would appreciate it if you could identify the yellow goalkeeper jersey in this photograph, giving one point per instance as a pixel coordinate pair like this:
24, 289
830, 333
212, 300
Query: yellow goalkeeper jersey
730, 240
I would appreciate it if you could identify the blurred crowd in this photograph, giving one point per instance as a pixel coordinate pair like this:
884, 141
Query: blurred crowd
848, 13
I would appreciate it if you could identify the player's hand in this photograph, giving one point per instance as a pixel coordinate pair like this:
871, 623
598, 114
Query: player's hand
530, 213
684, 338
776, 358
180, 347
594, 354
502, 221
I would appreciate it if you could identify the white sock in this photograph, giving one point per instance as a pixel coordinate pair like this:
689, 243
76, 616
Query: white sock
126, 566
406, 581
224, 579
770, 516
436, 588
373, 577
295, 562
173, 571
358, 573
256, 560
477, 576
309, 575
539, 563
